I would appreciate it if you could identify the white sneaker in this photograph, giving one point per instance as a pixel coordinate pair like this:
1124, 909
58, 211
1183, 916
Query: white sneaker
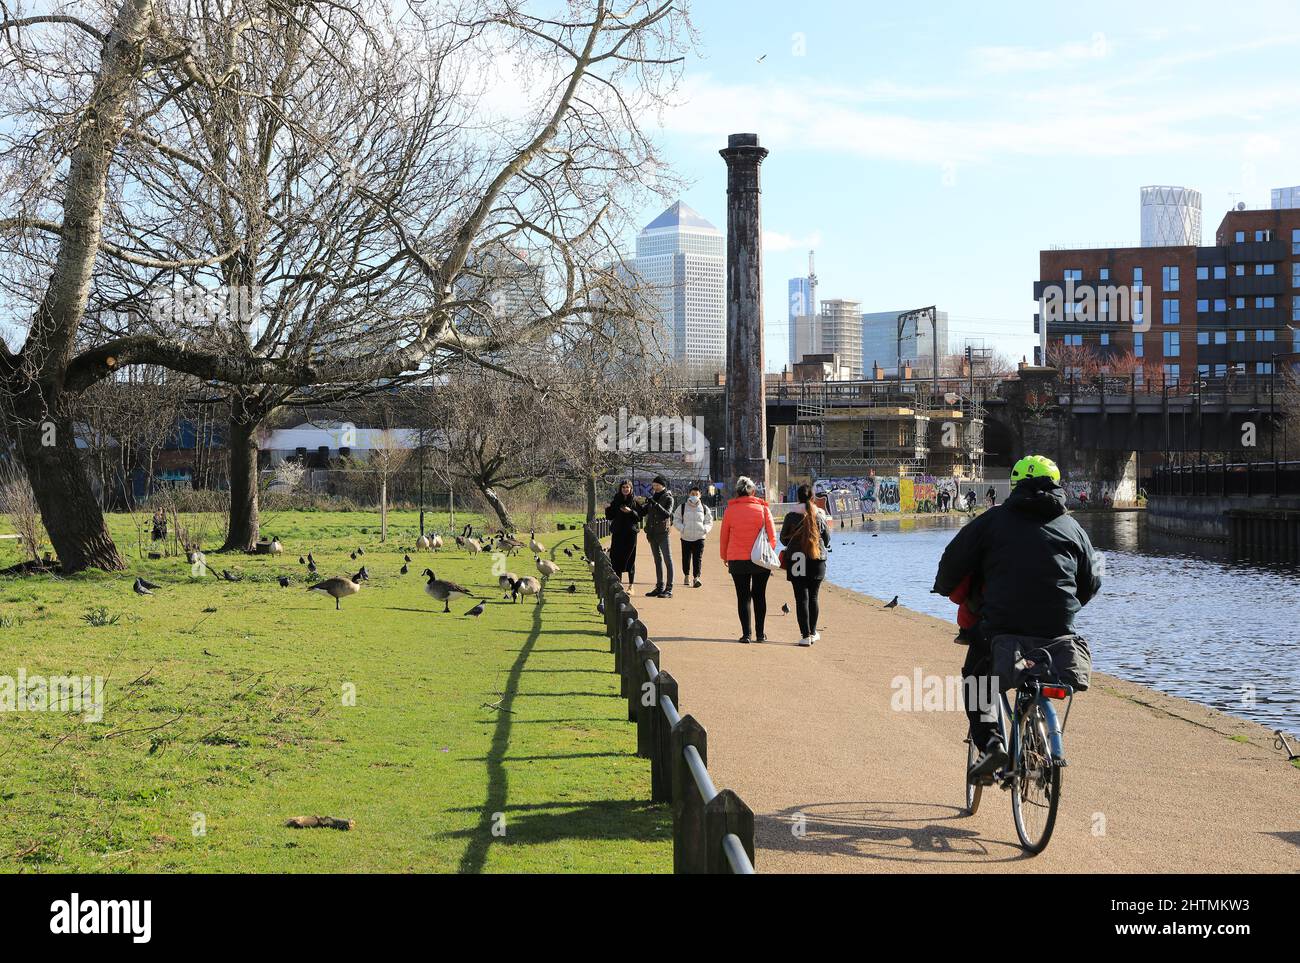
815, 637
805, 641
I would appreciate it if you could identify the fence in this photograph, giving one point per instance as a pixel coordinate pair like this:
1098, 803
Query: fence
713, 830
1224, 478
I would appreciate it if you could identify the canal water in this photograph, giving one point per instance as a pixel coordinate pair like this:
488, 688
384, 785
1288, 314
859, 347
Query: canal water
1176, 616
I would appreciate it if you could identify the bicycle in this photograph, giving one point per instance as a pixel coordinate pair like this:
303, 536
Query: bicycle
1036, 754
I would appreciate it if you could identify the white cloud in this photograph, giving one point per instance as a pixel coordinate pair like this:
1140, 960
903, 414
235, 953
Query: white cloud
1001, 60
776, 241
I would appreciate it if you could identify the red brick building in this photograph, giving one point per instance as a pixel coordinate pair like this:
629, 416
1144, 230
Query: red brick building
1213, 311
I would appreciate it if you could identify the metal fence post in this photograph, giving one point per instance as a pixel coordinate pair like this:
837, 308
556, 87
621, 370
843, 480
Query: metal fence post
688, 807
727, 813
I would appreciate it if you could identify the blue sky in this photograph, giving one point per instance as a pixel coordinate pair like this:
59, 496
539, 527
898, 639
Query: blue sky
928, 153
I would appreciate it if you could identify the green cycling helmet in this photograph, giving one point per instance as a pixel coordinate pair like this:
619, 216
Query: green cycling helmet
1035, 466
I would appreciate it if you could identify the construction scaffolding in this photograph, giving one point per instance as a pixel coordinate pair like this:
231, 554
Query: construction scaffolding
846, 428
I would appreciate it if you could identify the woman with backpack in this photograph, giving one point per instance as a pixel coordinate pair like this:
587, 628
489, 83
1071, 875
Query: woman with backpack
746, 517
806, 537
694, 520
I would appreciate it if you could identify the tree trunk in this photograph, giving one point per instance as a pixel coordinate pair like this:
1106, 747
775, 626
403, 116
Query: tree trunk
69, 510
243, 530
383, 509
591, 498
498, 506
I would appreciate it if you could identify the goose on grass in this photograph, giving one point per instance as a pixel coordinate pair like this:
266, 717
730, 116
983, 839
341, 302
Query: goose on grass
442, 590
340, 587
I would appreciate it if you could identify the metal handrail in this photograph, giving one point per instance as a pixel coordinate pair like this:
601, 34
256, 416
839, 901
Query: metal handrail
702, 781
737, 858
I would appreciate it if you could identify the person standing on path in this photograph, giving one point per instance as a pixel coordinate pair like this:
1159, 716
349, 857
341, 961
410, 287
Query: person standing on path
745, 517
624, 516
658, 519
806, 536
694, 520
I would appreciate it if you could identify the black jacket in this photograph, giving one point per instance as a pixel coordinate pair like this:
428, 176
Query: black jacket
658, 511
792, 529
1035, 562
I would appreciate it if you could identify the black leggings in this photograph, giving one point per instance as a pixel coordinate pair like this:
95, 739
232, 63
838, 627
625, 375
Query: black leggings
751, 587
805, 602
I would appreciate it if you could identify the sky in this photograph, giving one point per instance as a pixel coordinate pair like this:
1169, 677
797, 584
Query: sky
929, 152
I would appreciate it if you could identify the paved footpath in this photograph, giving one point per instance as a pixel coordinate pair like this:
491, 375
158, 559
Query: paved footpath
1154, 783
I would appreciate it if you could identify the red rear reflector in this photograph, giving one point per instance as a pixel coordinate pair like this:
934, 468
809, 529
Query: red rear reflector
1053, 692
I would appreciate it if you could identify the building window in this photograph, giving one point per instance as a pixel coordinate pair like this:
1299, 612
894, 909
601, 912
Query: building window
1240, 237
1220, 371
1220, 272
1203, 370
1295, 307
1241, 335
1267, 334
1221, 337
1137, 344
1105, 274
1137, 273
1203, 272
1265, 269
1241, 304
1202, 337
1263, 367
1202, 305
1073, 340
1105, 338
1295, 274
1171, 372
1267, 302
1073, 274
1221, 304
1239, 270
1169, 278
1170, 311
1264, 235
1171, 344
1295, 241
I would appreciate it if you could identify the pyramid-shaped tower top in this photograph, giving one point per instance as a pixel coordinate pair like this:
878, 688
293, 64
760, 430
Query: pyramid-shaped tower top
680, 216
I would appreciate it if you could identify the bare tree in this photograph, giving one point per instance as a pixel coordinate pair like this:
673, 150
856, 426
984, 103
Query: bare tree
18, 503
184, 138
388, 455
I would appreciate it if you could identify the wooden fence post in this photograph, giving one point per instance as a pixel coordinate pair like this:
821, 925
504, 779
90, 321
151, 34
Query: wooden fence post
630, 670
727, 813
661, 773
646, 707
688, 806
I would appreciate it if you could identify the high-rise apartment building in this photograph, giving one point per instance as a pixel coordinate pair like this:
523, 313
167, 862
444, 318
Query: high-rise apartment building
1286, 198
682, 258
841, 332
1171, 216
1181, 311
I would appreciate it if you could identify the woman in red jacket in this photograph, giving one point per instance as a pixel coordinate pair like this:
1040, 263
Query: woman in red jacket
745, 517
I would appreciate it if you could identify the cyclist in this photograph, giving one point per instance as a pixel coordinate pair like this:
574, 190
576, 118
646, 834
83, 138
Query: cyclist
1035, 568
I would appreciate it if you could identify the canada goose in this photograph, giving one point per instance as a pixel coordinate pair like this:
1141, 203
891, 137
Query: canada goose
476, 611
354, 556
600, 606
436, 542
473, 546
534, 544
284, 581
301, 560
339, 588
509, 544
423, 543
444, 591
545, 566
528, 585
141, 587
568, 552
310, 560
361, 550
405, 568
276, 547
406, 558
507, 583
225, 574
311, 565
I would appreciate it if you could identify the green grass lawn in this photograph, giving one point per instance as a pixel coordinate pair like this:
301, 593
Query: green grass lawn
225, 714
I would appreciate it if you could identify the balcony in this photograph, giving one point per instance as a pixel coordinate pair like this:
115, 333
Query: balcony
1258, 251
1256, 284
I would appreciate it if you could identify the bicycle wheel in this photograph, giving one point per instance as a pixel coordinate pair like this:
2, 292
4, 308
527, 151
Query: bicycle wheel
973, 789
1036, 788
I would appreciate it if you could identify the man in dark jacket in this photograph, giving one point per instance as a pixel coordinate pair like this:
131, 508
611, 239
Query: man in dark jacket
658, 515
1036, 569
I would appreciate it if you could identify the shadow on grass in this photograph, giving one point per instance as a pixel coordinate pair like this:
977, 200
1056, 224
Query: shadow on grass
605, 819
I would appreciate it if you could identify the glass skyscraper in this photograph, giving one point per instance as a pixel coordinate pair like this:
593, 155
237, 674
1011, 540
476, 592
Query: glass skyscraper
682, 257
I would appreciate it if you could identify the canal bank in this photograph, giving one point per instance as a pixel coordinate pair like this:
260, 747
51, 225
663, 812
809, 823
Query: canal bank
843, 779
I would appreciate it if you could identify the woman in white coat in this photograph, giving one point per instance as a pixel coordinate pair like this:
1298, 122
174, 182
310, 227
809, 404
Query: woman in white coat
694, 520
